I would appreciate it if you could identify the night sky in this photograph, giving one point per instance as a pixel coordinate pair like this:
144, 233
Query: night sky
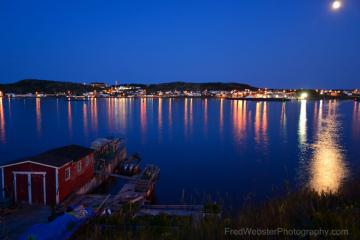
274, 44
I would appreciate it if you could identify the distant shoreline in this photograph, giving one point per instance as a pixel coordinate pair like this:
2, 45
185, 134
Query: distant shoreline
81, 98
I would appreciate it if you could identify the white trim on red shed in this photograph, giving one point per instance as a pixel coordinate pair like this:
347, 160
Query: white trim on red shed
29, 186
57, 186
35, 163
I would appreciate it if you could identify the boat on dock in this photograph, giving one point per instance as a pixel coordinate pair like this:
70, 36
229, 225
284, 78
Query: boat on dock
150, 174
140, 187
130, 166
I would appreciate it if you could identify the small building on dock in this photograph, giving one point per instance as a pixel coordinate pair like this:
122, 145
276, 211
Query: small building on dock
105, 147
108, 154
49, 176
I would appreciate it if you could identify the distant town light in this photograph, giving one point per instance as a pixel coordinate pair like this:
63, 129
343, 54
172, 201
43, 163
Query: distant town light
304, 95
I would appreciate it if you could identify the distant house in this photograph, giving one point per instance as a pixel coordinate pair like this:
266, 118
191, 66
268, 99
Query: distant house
10, 94
50, 176
30, 95
96, 84
194, 94
89, 94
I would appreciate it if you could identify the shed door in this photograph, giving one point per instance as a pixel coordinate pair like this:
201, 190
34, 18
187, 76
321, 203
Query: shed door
37, 189
22, 188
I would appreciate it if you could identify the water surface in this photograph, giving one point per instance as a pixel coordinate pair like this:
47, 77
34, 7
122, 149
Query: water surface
211, 146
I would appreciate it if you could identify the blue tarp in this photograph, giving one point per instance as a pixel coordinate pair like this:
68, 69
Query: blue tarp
61, 228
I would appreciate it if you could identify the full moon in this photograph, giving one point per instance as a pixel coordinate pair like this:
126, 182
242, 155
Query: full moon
336, 4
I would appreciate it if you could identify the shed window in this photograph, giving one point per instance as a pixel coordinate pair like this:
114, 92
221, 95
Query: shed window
79, 166
87, 161
67, 173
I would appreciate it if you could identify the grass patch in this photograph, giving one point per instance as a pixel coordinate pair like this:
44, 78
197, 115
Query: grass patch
301, 210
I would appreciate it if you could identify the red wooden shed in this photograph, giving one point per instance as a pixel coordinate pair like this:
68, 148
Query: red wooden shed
50, 176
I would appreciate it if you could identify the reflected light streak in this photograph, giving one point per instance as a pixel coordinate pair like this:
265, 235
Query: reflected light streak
160, 120
186, 118
320, 113
9, 111
243, 103
94, 117
239, 121
235, 117
170, 119
242, 117
327, 168
116, 113
38, 117
315, 114
123, 114
2, 122
111, 118
109, 114
70, 119
257, 123
191, 117
302, 126
129, 102
264, 125
143, 120
205, 116
86, 133
283, 119
221, 118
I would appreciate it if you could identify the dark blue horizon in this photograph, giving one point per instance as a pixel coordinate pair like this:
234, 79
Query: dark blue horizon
273, 44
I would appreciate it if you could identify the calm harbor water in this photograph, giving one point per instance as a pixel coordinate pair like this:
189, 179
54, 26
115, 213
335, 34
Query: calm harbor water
201, 145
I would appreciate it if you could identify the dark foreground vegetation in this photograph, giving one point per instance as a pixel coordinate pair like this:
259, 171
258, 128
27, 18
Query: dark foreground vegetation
300, 210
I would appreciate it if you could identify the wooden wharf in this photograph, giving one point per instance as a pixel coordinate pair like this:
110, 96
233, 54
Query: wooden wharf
139, 188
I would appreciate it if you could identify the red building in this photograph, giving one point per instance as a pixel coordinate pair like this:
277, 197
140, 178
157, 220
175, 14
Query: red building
50, 176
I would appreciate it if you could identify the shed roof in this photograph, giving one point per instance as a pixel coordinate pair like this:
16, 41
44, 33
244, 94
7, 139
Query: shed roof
57, 157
